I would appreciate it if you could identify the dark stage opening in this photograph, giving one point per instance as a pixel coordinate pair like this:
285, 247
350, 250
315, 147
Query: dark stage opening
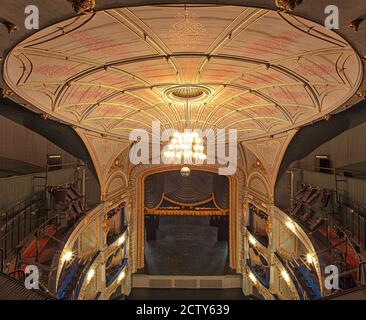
186, 224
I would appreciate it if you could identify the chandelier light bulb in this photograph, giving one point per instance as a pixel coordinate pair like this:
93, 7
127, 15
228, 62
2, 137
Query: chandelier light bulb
186, 145
185, 171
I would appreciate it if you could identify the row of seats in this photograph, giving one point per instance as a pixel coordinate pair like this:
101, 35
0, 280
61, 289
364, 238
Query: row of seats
71, 275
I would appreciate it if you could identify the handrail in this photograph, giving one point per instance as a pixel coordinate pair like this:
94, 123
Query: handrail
304, 238
2, 260
344, 292
74, 232
12, 221
83, 275
293, 278
359, 277
29, 198
18, 272
116, 275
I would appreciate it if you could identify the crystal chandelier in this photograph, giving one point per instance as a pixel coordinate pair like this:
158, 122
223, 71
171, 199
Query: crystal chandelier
185, 147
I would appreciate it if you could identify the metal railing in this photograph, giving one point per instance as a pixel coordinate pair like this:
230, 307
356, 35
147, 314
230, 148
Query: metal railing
19, 222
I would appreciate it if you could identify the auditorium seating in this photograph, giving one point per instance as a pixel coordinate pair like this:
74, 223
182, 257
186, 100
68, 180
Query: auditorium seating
316, 212
69, 278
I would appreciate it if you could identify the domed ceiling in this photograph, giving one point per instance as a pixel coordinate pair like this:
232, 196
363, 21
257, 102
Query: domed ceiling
256, 70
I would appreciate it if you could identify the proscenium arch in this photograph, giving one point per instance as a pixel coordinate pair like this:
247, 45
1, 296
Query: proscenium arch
234, 225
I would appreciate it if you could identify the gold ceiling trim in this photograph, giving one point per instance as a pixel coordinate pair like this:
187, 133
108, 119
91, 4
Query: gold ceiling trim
133, 56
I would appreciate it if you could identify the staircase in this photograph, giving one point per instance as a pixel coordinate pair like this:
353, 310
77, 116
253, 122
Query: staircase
20, 221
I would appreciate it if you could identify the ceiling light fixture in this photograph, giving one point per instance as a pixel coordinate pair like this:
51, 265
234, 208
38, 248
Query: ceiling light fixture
185, 171
185, 147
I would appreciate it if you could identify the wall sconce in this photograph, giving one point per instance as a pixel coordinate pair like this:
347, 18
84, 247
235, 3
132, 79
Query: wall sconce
285, 276
67, 256
121, 276
310, 258
252, 240
90, 275
290, 225
361, 94
121, 240
252, 277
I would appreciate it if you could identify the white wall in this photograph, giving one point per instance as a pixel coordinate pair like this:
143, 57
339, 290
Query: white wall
347, 148
20, 143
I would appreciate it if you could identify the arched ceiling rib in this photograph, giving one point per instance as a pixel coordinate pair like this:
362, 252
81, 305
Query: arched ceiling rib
107, 72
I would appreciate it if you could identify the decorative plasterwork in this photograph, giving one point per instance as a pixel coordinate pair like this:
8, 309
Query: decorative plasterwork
267, 72
103, 152
259, 187
269, 153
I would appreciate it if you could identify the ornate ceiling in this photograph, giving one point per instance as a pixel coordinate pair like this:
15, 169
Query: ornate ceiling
256, 70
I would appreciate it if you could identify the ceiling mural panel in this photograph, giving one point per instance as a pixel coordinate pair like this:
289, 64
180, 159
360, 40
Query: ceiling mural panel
256, 70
